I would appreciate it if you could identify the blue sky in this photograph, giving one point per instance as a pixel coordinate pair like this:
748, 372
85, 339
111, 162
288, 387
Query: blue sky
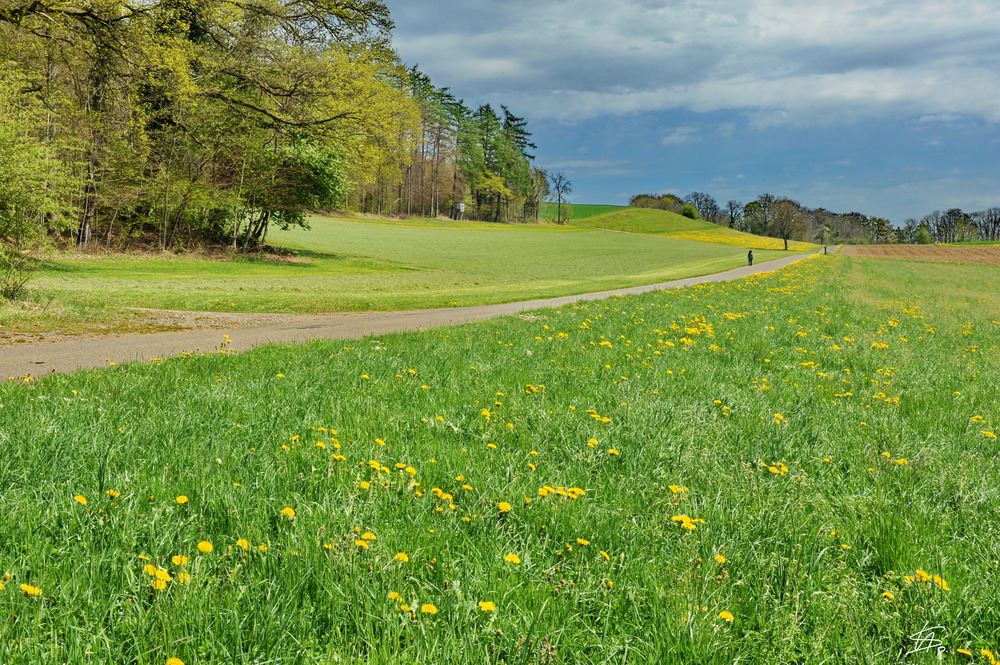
888, 108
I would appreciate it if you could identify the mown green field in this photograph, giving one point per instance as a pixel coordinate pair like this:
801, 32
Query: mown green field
366, 265
795, 467
667, 224
549, 210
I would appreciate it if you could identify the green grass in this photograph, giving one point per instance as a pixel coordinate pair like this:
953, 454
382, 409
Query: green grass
873, 383
375, 265
577, 210
666, 224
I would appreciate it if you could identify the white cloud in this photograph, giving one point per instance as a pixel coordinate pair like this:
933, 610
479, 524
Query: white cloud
780, 61
678, 135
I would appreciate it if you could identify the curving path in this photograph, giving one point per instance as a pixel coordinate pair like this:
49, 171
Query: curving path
40, 358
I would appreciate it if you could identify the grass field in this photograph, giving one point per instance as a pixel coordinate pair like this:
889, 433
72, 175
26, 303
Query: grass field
577, 210
796, 467
666, 224
366, 265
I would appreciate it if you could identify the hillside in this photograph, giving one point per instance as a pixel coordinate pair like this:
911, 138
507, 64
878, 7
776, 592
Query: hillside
666, 224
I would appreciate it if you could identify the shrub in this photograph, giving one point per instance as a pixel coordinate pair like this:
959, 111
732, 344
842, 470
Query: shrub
689, 211
922, 236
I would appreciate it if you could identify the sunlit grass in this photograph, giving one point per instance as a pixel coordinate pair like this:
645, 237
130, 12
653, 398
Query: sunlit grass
745, 471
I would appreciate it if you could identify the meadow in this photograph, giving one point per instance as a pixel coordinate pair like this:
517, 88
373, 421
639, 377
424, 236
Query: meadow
365, 264
794, 467
667, 224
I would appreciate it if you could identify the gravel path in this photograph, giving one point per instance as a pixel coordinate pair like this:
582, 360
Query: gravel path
246, 331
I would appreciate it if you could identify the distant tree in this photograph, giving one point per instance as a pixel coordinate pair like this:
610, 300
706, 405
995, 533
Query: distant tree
787, 220
561, 186
735, 210
689, 211
880, 229
757, 214
908, 232
922, 236
987, 223
540, 190
707, 206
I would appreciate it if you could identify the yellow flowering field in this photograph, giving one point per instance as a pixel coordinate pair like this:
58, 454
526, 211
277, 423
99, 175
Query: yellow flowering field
723, 236
794, 467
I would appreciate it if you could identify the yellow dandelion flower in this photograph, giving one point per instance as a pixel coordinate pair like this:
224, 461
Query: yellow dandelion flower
365, 484
719, 558
512, 558
404, 608
612, 451
179, 560
725, 614
174, 661
114, 494
182, 499
988, 435
402, 556
368, 535
363, 544
162, 575
204, 547
244, 543
30, 590
428, 608
582, 542
289, 512
149, 569
606, 556
394, 595
504, 507
487, 606
159, 584
183, 578
889, 596
80, 499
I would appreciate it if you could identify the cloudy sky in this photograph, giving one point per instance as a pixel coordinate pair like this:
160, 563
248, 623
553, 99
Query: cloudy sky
889, 108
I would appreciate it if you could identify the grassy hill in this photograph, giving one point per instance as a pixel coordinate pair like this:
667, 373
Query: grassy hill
364, 264
578, 210
666, 224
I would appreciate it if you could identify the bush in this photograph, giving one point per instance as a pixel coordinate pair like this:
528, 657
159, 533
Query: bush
922, 236
689, 211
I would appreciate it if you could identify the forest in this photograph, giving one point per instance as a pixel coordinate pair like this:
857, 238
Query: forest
179, 123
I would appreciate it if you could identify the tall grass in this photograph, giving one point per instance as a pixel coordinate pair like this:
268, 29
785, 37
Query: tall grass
798, 467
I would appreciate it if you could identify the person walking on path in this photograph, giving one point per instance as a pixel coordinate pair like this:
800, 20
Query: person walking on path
750, 258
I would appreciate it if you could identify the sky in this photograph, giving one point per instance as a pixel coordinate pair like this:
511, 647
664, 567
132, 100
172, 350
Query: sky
889, 108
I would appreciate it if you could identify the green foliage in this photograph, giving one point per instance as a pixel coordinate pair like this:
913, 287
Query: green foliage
922, 236
34, 184
689, 211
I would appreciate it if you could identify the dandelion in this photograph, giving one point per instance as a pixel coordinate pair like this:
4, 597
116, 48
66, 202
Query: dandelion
365, 484
606, 556
30, 590
504, 507
204, 547
428, 608
362, 544
182, 499
727, 615
889, 596
612, 451
719, 558
149, 569
179, 560
244, 543
174, 661
592, 443
80, 499
368, 535
582, 542
403, 557
183, 578
394, 595
289, 512
114, 494
159, 584
487, 606
512, 558
988, 435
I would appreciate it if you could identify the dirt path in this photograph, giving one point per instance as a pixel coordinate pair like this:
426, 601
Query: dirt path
245, 331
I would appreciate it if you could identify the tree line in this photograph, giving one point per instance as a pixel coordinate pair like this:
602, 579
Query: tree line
781, 217
176, 123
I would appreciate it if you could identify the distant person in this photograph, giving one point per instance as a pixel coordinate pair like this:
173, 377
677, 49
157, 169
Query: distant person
750, 258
